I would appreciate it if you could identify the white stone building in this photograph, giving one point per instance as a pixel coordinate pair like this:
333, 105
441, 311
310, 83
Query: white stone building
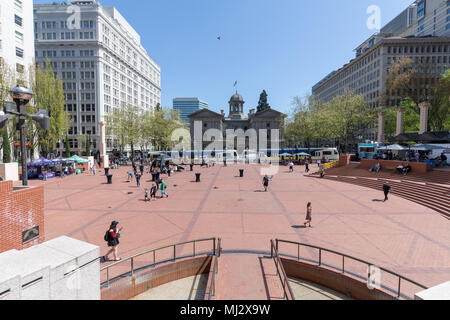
101, 61
16, 34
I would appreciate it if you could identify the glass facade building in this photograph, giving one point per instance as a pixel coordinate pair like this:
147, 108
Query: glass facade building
187, 106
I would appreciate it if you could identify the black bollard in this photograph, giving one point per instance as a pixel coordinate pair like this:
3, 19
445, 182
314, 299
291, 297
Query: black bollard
106, 171
241, 173
109, 177
192, 167
197, 177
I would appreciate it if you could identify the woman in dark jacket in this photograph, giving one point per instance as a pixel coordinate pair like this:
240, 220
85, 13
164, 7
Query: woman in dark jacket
113, 241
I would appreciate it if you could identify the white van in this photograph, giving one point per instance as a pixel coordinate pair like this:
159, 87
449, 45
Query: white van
330, 154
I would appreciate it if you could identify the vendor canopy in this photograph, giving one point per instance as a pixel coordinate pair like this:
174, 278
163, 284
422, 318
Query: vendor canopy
77, 159
43, 162
426, 147
394, 147
302, 154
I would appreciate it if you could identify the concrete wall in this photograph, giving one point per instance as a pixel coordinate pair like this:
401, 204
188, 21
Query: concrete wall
440, 292
131, 287
339, 282
59, 269
9, 171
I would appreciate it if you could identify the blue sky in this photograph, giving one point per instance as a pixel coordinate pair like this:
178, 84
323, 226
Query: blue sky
282, 46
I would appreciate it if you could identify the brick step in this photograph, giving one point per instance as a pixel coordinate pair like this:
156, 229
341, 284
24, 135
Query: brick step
401, 191
422, 189
437, 206
409, 190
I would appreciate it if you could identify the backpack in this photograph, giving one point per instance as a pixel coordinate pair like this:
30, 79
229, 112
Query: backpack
106, 237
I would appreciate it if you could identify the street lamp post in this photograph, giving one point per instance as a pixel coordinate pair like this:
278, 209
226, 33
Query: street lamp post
21, 97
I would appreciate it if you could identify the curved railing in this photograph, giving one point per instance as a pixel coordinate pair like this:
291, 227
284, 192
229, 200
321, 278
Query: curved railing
131, 259
214, 267
288, 294
370, 266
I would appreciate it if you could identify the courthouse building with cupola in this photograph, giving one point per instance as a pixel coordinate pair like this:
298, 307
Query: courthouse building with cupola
262, 122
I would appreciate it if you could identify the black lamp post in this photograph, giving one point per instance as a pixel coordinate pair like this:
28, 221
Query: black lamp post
21, 97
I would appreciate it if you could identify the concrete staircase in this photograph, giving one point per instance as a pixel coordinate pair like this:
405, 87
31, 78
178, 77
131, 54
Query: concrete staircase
431, 190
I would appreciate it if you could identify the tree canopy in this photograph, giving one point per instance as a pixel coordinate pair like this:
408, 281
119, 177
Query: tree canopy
263, 104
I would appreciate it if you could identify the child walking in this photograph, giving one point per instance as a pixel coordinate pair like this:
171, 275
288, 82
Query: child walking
163, 189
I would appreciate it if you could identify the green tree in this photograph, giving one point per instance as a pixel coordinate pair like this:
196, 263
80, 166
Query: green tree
67, 146
263, 104
159, 127
440, 110
48, 95
125, 123
6, 143
347, 117
411, 119
88, 146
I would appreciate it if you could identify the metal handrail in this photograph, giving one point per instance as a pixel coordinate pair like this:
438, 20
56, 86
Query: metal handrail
283, 277
343, 255
212, 288
131, 258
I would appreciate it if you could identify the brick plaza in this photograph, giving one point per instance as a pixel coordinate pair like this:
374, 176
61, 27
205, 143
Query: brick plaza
400, 235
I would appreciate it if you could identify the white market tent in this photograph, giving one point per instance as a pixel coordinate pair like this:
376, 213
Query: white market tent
394, 147
426, 147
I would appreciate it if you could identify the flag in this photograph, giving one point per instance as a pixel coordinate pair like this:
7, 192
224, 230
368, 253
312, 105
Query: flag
235, 83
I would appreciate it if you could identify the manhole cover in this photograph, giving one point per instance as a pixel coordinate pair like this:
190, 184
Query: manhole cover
130, 192
240, 200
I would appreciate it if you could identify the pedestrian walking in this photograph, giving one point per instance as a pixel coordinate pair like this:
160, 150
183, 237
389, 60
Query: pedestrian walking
266, 180
94, 169
141, 168
138, 180
386, 189
164, 189
291, 166
158, 182
146, 196
153, 191
130, 176
112, 237
308, 218
306, 167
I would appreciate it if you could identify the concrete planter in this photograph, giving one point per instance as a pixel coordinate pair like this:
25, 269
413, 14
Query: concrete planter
9, 171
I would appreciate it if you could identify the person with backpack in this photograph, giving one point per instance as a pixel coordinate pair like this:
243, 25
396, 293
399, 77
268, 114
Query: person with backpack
163, 189
112, 238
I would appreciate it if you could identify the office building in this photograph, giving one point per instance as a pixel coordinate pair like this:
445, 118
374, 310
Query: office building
16, 35
100, 60
187, 106
420, 32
